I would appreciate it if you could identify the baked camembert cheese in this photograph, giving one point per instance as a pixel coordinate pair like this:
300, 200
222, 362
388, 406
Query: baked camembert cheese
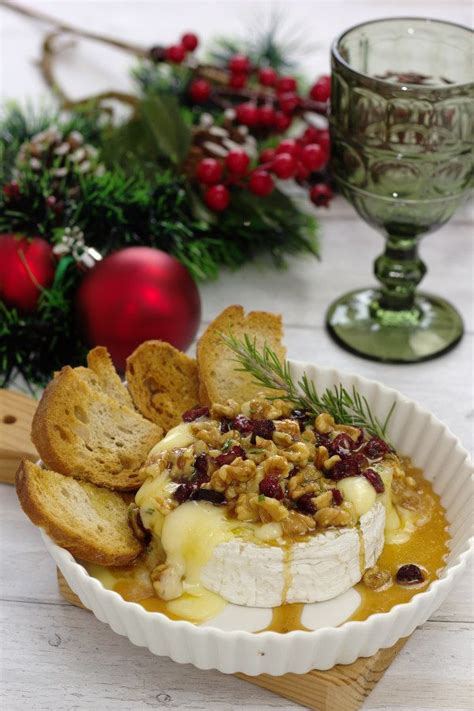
262, 506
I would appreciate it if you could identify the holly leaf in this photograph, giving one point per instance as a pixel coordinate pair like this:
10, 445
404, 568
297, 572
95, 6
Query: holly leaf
162, 115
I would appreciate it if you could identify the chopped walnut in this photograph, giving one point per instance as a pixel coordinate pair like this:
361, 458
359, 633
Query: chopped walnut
332, 517
282, 439
239, 471
324, 423
277, 466
322, 500
208, 432
297, 524
262, 409
308, 436
290, 427
329, 463
377, 579
298, 453
321, 456
229, 410
166, 581
252, 507
299, 485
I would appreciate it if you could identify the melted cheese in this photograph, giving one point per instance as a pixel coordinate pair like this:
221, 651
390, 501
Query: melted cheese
179, 436
359, 492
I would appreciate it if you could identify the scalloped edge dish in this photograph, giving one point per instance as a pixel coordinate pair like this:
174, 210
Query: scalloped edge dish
415, 432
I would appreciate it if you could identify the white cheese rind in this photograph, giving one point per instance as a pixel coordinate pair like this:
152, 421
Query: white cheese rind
313, 571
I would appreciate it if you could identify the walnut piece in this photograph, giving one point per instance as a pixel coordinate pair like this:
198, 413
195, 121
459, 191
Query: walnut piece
297, 524
377, 579
332, 517
239, 471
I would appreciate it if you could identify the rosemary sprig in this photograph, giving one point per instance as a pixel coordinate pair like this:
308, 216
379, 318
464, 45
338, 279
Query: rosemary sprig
348, 408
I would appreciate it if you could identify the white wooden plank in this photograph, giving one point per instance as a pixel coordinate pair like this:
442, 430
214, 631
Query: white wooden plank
66, 654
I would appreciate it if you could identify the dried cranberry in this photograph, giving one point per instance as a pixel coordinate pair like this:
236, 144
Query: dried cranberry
410, 575
322, 440
194, 413
215, 497
341, 445
375, 479
184, 492
200, 478
263, 428
200, 463
344, 468
360, 458
336, 497
375, 448
360, 438
228, 457
226, 425
242, 424
301, 418
270, 486
305, 504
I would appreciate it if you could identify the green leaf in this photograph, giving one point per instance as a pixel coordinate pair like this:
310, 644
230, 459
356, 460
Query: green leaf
162, 114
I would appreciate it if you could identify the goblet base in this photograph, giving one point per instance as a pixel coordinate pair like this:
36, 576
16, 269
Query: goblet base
358, 323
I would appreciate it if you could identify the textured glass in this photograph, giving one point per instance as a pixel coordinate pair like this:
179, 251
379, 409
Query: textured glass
402, 139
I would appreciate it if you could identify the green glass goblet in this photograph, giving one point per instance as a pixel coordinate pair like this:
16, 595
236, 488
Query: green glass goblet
402, 138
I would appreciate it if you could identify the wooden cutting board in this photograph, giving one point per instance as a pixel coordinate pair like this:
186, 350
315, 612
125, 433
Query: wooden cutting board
342, 688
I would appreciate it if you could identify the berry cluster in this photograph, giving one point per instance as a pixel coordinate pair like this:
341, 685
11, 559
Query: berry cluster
292, 159
271, 103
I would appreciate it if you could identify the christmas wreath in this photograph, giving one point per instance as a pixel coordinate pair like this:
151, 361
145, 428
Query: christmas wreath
197, 168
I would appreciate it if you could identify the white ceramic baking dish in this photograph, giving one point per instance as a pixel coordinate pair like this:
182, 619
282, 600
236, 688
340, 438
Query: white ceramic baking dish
414, 432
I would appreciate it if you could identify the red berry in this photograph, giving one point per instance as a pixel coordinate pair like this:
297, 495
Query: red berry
242, 424
217, 197
282, 121
321, 194
410, 574
247, 114
324, 140
267, 76
239, 63
261, 182
310, 135
238, 80
302, 172
375, 479
267, 155
228, 457
266, 115
189, 41
306, 505
194, 413
237, 161
209, 171
288, 102
176, 53
313, 156
270, 486
286, 84
11, 190
321, 90
200, 90
336, 497
284, 165
289, 145
375, 448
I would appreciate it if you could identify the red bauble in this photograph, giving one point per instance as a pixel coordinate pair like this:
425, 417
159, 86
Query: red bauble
134, 295
26, 267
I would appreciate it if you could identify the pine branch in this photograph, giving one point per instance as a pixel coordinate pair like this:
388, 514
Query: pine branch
348, 408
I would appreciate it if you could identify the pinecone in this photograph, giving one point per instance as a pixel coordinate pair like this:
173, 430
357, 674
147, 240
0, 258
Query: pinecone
210, 141
60, 155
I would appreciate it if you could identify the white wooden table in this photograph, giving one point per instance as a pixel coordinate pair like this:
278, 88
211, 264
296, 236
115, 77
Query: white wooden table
55, 656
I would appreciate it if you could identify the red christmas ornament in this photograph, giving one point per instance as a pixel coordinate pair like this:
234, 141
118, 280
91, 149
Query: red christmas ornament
321, 195
26, 267
134, 295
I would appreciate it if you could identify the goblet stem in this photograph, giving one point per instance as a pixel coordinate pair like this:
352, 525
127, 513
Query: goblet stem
399, 269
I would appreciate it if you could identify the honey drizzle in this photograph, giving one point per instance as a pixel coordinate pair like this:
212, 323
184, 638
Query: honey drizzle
361, 550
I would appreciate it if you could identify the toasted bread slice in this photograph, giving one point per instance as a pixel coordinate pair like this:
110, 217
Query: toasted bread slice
163, 382
100, 362
81, 431
219, 379
91, 522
